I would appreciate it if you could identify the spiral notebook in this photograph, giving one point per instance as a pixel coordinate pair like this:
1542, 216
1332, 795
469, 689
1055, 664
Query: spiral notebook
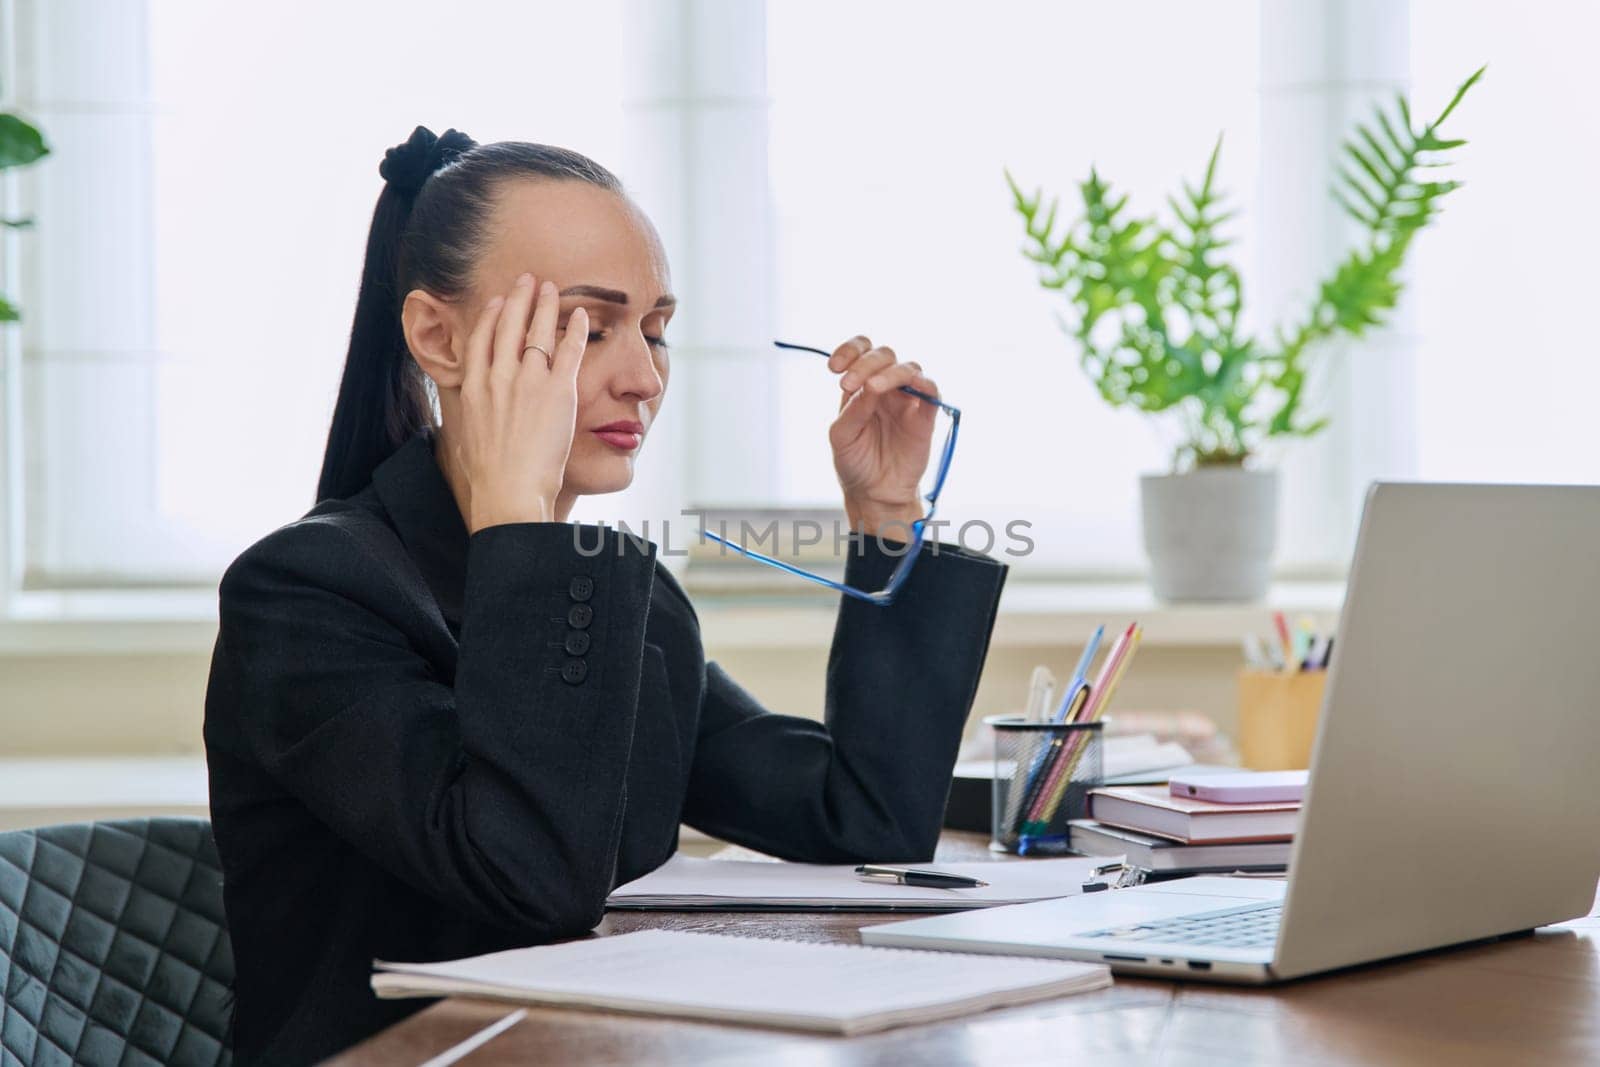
844, 989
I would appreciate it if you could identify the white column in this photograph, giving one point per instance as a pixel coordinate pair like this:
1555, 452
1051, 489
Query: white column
1324, 64
697, 161
80, 392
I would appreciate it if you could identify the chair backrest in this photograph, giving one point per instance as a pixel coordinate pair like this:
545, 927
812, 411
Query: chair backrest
113, 944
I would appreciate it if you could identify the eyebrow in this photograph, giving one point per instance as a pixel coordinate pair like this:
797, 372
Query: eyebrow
611, 296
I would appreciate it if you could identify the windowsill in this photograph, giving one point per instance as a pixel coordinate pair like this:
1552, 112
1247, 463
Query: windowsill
1031, 613
1038, 613
44, 791
50, 790
109, 622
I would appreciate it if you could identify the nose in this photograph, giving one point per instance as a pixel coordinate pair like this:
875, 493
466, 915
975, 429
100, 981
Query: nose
635, 376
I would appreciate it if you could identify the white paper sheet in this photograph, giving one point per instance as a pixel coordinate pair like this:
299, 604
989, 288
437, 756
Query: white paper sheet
689, 882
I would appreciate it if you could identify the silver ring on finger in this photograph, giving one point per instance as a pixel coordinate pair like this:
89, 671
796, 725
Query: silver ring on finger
549, 360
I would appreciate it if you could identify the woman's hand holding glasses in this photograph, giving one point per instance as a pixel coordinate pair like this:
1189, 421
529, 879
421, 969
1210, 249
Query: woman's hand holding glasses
519, 403
881, 438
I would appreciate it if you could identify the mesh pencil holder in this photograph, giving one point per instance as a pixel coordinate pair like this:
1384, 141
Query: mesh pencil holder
1043, 772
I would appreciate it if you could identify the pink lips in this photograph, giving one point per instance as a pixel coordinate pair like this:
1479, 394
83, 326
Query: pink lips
624, 434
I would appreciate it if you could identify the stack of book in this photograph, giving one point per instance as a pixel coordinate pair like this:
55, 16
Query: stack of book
1172, 835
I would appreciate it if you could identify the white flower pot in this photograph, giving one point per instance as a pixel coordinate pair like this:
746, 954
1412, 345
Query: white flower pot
1210, 533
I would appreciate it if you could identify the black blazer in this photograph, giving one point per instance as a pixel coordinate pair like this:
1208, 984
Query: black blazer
424, 745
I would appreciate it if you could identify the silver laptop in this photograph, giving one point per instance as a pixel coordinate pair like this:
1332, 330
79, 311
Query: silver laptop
1455, 778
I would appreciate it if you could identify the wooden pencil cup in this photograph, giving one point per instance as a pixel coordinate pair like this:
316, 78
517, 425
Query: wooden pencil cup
1278, 718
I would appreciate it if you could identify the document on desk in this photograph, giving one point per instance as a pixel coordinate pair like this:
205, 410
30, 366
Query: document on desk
690, 883
844, 989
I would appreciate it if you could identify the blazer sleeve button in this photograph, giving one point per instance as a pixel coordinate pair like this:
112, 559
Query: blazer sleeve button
574, 671
577, 643
580, 616
582, 588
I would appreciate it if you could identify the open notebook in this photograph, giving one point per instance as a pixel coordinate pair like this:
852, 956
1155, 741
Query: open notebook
846, 989
687, 882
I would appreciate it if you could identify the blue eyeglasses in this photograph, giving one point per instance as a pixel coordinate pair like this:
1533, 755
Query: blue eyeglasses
885, 595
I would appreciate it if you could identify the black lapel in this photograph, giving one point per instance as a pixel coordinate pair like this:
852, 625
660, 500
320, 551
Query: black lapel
414, 492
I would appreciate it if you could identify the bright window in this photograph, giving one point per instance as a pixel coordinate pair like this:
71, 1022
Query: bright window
190, 284
1508, 364
200, 244
889, 135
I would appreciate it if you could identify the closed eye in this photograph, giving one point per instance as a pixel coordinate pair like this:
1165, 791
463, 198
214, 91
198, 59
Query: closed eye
657, 342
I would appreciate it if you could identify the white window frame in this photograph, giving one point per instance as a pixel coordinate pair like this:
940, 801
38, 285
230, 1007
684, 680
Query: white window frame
694, 111
11, 206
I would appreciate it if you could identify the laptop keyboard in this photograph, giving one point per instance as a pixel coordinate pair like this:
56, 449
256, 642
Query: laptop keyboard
1249, 926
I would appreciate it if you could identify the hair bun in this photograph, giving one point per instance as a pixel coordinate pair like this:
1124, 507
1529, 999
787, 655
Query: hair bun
406, 166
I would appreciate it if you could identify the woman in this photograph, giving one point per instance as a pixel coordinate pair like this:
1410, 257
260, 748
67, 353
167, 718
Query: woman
439, 722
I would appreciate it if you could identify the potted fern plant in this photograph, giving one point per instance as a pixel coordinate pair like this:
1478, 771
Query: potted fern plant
1155, 317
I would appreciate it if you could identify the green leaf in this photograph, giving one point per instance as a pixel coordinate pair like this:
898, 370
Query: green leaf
1405, 148
8, 311
1191, 223
1394, 206
1454, 100
1380, 180
1211, 164
1050, 220
1390, 167
1361, 191
1016, 190
20, 143
1426, 191
1369, 221
17, 224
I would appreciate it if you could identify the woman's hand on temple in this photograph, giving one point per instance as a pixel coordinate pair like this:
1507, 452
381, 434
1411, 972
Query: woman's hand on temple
519, 411
881, 438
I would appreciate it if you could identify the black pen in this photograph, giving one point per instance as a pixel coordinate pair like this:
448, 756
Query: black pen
912, 876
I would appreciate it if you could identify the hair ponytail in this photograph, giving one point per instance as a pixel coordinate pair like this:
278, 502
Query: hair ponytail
382, 397
427, 232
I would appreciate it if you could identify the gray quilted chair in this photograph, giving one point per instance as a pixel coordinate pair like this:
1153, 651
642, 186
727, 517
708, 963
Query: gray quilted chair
113, 945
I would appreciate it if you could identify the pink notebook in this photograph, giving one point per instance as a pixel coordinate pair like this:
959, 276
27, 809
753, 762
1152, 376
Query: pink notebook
1244, 787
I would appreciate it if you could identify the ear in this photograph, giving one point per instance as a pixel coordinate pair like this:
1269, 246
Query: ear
437, 337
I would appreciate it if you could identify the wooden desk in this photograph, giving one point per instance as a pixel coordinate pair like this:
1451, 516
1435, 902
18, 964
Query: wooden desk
1532, 999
